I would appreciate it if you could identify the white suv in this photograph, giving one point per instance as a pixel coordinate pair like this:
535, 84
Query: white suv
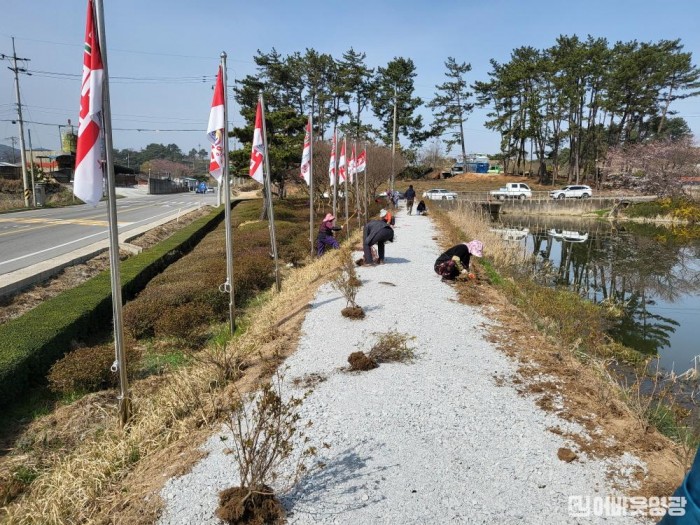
439, 194
579, 192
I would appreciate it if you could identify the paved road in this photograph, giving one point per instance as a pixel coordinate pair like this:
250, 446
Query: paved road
31, 237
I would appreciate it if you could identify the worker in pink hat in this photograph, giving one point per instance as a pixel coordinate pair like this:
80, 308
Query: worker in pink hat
325, 237
456, 260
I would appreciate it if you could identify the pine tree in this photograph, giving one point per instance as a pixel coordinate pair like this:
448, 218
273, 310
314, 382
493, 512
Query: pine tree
356, 79
451, 106
394, 85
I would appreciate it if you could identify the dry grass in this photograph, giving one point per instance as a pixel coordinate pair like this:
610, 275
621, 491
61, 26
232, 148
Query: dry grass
476, 224
83, 484
575, 384
8, 203
470, 182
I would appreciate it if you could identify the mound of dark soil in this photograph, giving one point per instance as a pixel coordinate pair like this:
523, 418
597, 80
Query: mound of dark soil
239, 506
353, 312
360, 362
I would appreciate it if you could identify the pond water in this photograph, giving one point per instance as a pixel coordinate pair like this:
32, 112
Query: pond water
653, 272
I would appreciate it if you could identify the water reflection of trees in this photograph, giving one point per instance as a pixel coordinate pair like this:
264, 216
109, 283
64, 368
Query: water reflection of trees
611, 263
641, 329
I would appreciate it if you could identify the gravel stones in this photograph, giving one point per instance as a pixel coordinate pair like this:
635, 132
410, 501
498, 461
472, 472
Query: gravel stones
432, 441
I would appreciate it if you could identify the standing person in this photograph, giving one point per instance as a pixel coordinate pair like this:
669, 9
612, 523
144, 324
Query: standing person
325, 236
395, 199
456, 260
376, 232
410, 196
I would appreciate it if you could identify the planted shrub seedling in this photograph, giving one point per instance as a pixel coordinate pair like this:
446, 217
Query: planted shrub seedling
391, 346
347, 283
264, 427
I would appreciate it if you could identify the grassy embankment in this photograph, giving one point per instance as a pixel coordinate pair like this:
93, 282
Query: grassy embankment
681, 210
72, 465
580, 327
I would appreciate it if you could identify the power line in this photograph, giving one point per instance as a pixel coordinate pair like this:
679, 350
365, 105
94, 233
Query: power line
201, 79
119, 116
115, 129
111, 50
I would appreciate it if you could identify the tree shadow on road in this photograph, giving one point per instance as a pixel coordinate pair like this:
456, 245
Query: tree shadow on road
343, 484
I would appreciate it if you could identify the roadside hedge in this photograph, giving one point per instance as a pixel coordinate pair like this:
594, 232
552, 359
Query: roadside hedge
30, 344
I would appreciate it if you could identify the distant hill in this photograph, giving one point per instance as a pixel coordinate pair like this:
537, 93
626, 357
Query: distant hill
6, 154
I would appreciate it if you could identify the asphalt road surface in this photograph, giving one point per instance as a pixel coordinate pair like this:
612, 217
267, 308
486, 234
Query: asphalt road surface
33, 236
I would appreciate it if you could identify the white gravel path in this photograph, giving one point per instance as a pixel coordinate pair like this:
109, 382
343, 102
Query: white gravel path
435, 441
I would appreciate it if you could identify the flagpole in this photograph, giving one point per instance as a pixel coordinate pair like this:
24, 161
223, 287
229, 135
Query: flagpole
226, 189
365, 170
335, 171
393, 146
311, 182
268, 193
347, 220
358, 209
120, 363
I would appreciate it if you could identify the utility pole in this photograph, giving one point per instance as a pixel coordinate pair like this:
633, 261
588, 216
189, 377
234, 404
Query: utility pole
23, 153
393, 144
31, 164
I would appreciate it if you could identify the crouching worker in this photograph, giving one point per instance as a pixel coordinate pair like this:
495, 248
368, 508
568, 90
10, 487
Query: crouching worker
456, 260
421, 209
377, 233
325, 237
387, 217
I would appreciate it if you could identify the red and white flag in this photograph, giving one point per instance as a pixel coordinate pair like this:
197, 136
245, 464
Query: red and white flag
306, 154
331, 164
89, 161
341, 163
352, 168
216, 129
361, 162
258, 151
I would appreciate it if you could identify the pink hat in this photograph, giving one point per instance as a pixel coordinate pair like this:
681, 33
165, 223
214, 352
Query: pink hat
328, 217
475, 248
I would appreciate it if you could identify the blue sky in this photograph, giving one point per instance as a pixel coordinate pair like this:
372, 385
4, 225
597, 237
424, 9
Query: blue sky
177, 39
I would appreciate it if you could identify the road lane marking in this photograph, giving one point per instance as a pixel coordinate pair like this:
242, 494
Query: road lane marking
77, 240
58, 222
80, 239
21, 229
52, 248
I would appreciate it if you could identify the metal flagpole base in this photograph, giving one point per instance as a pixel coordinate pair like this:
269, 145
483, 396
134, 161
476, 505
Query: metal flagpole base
125, 410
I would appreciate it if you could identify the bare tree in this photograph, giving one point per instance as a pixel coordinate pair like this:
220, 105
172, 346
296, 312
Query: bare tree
432, 154
378, 171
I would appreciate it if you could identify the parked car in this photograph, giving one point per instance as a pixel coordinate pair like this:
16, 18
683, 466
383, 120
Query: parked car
512, 190
439, 194
578, 192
